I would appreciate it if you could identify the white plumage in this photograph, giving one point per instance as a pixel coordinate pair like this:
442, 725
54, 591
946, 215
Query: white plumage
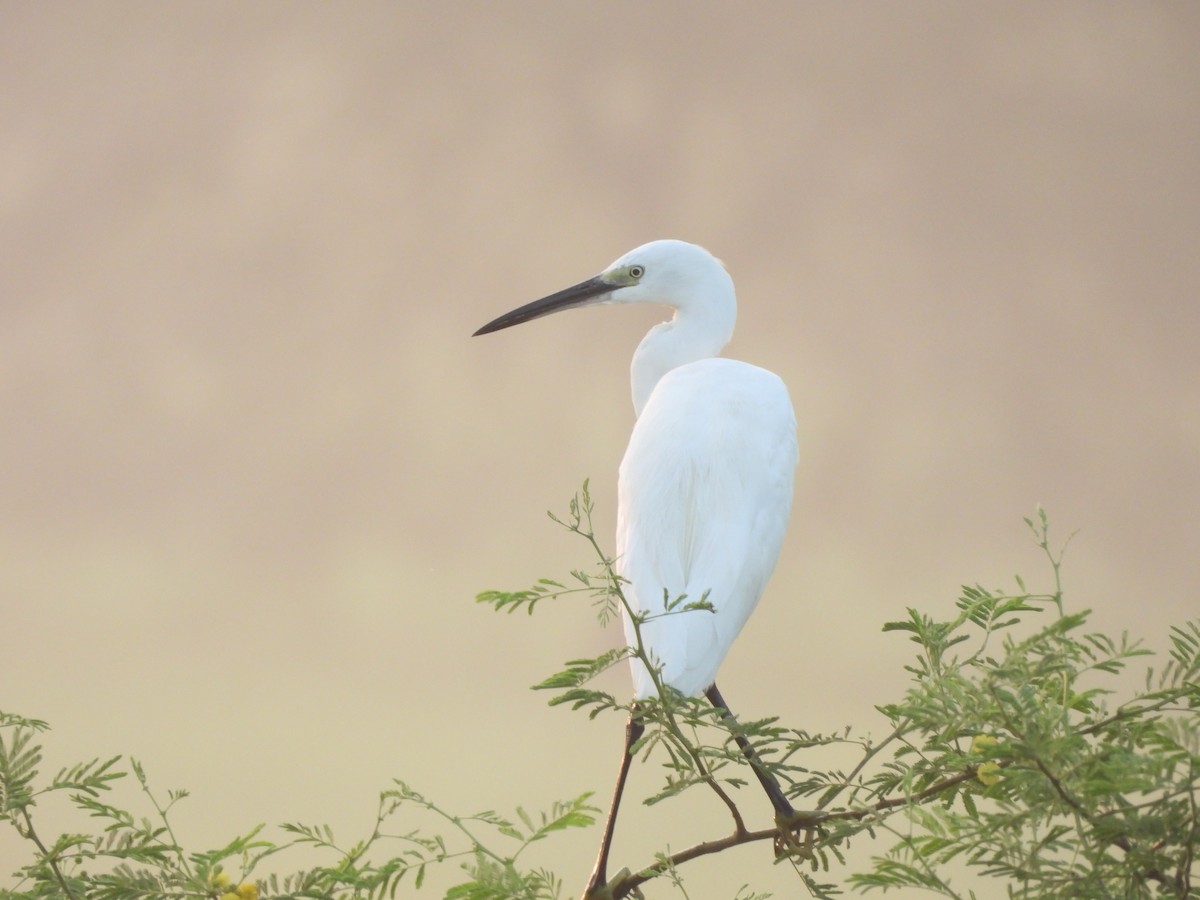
705, 488
704, 496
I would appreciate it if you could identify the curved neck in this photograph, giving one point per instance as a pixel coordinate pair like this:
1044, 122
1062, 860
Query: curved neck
695, 332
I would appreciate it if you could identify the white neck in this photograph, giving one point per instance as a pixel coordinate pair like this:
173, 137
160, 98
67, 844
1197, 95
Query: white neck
697, 331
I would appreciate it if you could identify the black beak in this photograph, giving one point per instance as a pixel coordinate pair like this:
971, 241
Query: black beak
568, 298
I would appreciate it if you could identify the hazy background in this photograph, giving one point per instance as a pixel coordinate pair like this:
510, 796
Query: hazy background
253, 469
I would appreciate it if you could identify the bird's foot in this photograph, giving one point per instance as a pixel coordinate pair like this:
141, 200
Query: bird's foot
797, 832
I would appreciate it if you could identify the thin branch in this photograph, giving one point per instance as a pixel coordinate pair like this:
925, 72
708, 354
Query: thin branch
640, 653
1078, 808
1183, 880
862, 764
707, 848
32, 834
1128, 711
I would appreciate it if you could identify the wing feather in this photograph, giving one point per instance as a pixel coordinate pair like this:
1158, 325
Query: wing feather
704, 497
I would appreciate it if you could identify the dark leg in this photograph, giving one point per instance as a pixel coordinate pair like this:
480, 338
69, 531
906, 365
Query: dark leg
784, 813
633, 730
790, 822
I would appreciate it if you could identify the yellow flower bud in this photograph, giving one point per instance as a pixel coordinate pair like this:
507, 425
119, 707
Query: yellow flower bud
221, 879
247, 891
988, 773
982, 743
230, 895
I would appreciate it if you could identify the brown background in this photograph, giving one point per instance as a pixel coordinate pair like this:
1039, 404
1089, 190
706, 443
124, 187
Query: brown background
253, 469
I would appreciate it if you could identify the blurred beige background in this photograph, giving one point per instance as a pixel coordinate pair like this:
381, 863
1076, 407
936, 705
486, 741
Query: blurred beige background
254, 469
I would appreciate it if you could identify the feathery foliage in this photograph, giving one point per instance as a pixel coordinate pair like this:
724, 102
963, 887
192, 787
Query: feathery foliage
1017, 754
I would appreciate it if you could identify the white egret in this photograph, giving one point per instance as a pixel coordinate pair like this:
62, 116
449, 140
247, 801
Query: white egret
705, 488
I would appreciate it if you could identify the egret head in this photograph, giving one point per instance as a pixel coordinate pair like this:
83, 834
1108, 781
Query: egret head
668, 272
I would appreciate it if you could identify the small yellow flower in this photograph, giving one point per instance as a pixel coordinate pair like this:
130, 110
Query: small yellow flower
247, 891
983, 743
988, 773
230, 895
221, 879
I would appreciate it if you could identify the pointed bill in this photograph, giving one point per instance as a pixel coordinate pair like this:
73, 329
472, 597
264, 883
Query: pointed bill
569, 298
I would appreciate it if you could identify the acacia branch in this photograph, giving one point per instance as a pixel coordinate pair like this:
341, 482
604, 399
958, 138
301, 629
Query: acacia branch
31, 833
707, 848
640, 653
1120, 840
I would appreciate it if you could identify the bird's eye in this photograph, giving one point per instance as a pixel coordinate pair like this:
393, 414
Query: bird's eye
637, 271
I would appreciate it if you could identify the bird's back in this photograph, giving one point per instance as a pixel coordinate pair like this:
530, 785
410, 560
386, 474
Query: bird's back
704, 496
